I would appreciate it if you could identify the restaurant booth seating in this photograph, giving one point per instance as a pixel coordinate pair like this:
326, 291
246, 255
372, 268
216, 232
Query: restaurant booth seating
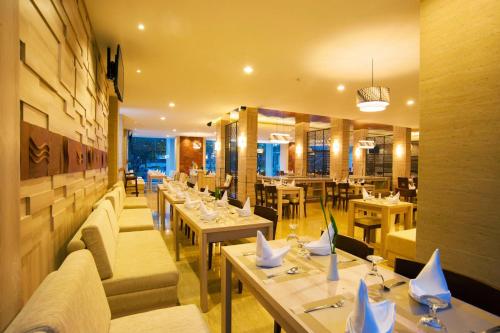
402, 243
72, 299
135, 267
130, 202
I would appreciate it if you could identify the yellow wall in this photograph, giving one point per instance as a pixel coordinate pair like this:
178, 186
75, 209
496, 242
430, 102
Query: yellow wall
62, 87
459, 170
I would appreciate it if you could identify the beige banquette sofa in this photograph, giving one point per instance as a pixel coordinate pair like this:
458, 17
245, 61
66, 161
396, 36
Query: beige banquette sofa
128, 219
131, 201
401, 244
72, 299
135, 267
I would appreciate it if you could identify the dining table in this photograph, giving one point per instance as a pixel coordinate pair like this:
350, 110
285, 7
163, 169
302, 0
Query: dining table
287, 189
387, 211
227, 226
286, 297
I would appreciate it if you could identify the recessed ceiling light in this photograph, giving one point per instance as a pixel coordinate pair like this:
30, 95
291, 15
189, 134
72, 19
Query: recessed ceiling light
174, 130
171, 104
138, 71
162, 118
248, 69
140, 26
410, 102
340, 87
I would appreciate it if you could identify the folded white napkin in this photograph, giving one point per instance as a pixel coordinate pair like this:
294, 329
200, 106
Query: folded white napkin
223, 201
170, 188
207, 214
412, 187
430, 281
245, 211
370, 317
292, 184
366, 196
206, 190
266, 256
180, 194
394, 199
190, 203
321, 246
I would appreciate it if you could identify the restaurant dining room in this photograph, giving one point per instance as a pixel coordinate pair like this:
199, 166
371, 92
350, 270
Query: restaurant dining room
250, 166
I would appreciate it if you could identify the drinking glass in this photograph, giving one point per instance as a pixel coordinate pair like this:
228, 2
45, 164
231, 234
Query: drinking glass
430, 323
373, 275
301, 241
293, 227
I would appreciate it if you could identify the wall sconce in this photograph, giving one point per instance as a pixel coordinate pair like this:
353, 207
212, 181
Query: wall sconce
196, 145
217, 146
242, 141
357, 153
298, 150
399, 150
336, 146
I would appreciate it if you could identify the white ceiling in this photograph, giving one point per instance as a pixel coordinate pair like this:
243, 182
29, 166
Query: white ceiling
193, 52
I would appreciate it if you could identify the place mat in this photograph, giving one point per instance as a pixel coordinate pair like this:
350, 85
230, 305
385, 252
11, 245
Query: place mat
322, 262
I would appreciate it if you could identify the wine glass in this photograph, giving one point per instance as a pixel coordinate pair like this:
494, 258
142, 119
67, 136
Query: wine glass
293, 227
302, 241
430, 323
374, 275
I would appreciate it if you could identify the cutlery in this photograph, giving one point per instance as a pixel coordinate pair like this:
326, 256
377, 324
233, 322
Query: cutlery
395, 284
346, 261
338, 304
292, 270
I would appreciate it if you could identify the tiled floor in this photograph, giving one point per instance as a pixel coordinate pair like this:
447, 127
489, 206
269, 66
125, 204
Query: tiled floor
248, 315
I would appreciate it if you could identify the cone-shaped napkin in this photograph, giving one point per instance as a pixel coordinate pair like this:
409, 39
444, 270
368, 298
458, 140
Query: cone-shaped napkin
207, 214
245, 211
266, 256
180, 194
430, 281
366, 196
393, 199
223, 201
321, 246
190, 203
370, 317
292, 184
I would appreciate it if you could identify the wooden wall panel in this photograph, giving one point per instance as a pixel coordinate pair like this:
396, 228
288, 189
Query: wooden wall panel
62, 89
188, 154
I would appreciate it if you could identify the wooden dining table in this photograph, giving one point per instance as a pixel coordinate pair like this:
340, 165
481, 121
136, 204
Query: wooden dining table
387, 211
292, 190
286, 297
229, 227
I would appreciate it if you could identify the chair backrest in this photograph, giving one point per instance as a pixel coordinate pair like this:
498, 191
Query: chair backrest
271, 194
353, 246
407, 195
235, 202
117, 199
343, 188
259, 193
462, 287
189, 184
403, 182
415, 182
331, 186
228, 181
268, 213
71, 299
305, 187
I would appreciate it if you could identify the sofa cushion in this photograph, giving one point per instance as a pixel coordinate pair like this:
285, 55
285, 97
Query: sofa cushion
136, 219
68, 300
402, 243
186, 318
100, 239
114, 197
142, 262
111, 215
135, 202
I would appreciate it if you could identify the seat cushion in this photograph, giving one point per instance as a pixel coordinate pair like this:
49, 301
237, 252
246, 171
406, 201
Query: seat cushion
367, 221
135, 202
142, 262
186, 319
402, 243
136, 219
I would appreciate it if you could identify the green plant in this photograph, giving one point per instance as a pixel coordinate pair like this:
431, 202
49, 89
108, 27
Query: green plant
333, 223
217, 194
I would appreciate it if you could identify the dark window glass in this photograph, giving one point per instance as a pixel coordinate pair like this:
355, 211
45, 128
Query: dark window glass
318, 152
210, 155
151, 153
379, 159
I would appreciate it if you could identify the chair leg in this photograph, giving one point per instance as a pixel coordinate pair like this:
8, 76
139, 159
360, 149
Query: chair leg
192, 237
210, 253
277, 327
240, 287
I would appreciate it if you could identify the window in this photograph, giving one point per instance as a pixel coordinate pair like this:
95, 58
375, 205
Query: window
231, 156
210, 155
268, 159
261, 158
414, 158
379, 159
151, 153
318, 152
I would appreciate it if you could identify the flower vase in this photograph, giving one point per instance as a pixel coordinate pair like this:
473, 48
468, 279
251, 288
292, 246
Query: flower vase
333, 273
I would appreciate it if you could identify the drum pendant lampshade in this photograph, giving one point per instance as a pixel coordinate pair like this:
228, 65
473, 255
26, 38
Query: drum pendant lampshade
373, 99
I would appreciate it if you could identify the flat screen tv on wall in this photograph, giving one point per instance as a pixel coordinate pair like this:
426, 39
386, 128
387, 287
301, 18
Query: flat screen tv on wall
115, 72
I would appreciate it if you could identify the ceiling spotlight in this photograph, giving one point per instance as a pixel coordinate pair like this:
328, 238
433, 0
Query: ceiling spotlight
140, 26
340, 87
162, 118
171, 104
248, 70
410, 102
138, 71
174, 130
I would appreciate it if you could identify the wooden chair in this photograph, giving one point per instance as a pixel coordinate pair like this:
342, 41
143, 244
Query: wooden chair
189, 184
295, 201
354, 246
369, 224
415, 182
403, 182
343, 197
130, 176
259, 194
235, 202
227, 183
330, 188
462, 287
272, 199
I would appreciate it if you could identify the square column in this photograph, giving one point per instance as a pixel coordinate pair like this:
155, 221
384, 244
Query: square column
220, 139
301, 129
247, 154
339, 148
359, 155
401, 154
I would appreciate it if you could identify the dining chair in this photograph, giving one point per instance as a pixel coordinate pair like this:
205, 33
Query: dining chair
462, 287
403, 182
272, 199
191, 185
295, 201
130, 176
343, 197
235, 202
259, 194
330, 188
354, 246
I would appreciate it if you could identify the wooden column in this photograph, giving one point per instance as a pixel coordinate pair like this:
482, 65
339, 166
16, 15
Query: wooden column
220, 139
113, 125
10, 254
401, 154
358, 154
459, 162
339, 148
301, 129
247, 154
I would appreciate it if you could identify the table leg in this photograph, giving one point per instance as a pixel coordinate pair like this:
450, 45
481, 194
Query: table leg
280, 204
226, 289
386, 222
409, 217
176, 233
301, 202
202, 241
161, 208
270, 232
350, 219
